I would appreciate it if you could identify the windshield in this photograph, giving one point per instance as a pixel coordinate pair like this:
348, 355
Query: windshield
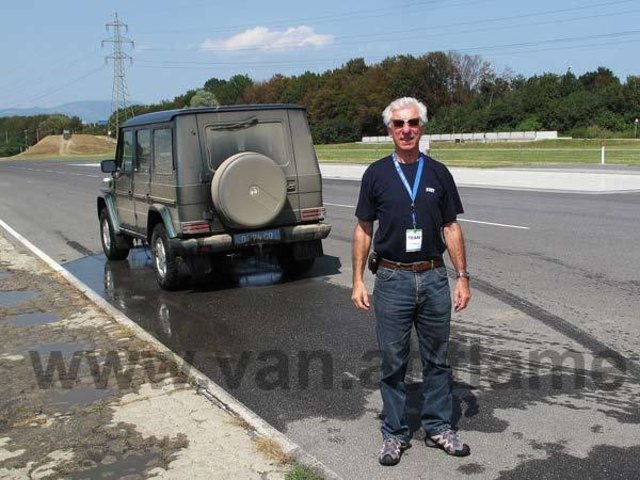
226, 140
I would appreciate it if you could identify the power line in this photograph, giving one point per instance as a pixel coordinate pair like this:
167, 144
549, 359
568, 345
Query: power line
53, 73
358, 14
368, 13
484, 48
120, 110
66, 84
433, 31
516, 49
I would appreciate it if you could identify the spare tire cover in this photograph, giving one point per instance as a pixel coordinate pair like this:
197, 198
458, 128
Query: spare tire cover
248, 190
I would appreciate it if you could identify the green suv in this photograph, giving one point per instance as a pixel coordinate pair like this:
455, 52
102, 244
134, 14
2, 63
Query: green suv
199, 184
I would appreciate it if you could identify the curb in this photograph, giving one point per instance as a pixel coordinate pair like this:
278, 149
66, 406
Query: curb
204, 386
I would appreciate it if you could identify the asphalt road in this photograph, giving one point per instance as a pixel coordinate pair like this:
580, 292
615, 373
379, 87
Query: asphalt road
555, 306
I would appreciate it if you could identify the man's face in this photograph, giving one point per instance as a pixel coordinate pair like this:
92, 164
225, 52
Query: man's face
406, 135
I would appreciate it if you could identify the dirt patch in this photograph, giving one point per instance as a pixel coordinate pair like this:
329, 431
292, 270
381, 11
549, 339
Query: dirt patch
76, 145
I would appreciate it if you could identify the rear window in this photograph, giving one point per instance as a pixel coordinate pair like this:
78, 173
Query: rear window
226, 140
163, 151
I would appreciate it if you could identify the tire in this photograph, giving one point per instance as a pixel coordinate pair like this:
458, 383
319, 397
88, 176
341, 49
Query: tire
249, 190
292, 267
295, 268
115, 247
165, 260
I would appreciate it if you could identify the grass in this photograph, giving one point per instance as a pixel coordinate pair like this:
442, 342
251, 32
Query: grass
547, 152
302, 472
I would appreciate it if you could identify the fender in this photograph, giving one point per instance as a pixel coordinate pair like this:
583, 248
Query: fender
165, 214
107, 199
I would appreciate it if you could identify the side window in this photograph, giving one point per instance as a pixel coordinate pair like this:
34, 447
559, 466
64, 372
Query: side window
143, 150
163, 151
127, 151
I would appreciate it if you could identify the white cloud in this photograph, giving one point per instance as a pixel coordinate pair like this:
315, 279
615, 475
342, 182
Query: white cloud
264, 39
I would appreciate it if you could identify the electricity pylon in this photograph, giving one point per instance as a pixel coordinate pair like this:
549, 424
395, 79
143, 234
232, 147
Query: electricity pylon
120, 110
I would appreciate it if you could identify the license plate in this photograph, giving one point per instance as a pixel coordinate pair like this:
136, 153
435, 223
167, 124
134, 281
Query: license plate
260, 236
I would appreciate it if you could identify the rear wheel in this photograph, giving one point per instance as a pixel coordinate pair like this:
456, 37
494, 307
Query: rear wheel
294, 268
165, 259
115, 247
294, 260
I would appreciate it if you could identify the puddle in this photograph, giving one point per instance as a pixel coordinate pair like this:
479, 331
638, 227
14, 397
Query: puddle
132, 465
4, 275
256, 273
9, 299
31, 319
79, 396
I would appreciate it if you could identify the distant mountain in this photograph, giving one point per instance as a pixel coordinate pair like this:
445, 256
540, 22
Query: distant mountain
89, 111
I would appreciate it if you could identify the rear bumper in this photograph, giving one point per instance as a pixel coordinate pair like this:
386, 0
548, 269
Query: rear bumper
224, 242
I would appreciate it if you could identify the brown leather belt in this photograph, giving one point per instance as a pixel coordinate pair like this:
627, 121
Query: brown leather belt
413, 267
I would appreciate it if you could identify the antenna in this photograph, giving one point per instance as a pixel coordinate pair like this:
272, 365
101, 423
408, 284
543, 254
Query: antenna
119, 95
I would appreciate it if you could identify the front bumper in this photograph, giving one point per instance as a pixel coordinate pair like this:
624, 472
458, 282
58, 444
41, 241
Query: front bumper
223, 242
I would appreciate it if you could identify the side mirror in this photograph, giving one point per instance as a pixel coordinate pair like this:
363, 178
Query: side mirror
108, 166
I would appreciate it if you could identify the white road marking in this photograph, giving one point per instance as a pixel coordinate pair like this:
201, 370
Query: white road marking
494, 224
339, 205
506, 225
57, 172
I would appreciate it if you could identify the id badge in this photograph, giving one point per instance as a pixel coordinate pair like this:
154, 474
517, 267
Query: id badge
414, 240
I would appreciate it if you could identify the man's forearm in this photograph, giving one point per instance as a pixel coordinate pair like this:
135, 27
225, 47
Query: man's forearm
361, 245
455, 245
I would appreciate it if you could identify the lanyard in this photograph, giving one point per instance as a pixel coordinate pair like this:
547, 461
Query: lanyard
413, 193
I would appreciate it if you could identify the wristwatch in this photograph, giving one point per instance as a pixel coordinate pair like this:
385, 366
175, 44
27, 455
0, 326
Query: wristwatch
463, 274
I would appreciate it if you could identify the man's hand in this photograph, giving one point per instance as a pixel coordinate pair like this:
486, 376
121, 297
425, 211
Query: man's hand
461, 295
455, 244
360, 297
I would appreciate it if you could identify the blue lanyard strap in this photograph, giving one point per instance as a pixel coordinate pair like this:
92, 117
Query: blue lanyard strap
413, 192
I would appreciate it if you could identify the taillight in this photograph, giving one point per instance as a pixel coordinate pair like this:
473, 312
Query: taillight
312, 213
195, 227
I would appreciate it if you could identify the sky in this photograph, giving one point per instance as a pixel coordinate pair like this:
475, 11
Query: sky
53, 52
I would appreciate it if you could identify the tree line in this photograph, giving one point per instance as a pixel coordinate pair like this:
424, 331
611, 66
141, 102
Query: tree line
463, 93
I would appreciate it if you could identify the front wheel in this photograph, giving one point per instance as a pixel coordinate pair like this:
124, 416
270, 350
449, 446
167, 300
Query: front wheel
115, 247
165, 260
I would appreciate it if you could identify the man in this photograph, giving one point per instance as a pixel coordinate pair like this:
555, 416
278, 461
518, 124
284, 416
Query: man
416, 202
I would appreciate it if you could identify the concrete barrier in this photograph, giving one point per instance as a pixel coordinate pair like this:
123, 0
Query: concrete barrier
529, 136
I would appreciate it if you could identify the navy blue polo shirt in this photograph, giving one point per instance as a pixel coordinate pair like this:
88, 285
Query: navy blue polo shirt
383, 197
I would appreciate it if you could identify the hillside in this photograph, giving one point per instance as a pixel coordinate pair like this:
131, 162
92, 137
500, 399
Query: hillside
77, 146
90, 111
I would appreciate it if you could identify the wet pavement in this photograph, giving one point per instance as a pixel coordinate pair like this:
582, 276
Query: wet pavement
78, 389
528, 390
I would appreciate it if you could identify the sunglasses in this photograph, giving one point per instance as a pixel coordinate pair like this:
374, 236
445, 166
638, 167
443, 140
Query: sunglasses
413, 122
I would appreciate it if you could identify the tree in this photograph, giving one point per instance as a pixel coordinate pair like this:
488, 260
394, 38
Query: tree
229, 92
203, 98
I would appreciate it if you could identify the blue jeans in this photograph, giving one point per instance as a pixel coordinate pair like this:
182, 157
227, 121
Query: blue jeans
402, 299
